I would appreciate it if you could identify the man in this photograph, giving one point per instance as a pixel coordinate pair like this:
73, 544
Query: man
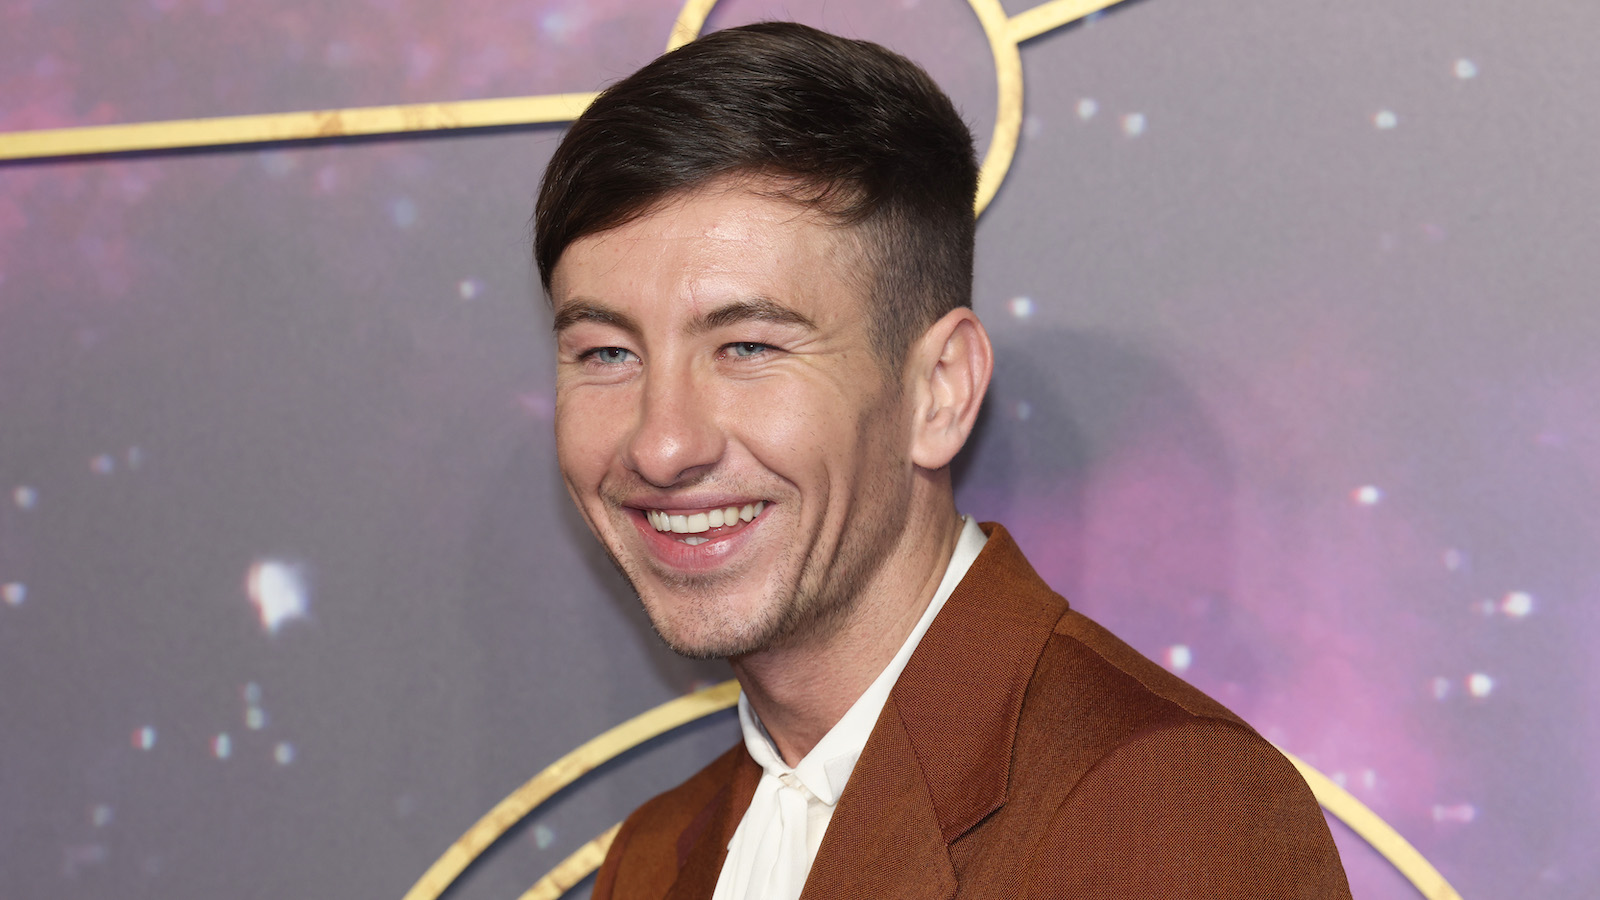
759, 253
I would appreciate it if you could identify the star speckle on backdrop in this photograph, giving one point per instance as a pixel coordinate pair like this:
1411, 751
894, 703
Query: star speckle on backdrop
279, 592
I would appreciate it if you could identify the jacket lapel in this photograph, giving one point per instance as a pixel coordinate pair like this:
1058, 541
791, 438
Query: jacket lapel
961, 693
939, 758
884, 840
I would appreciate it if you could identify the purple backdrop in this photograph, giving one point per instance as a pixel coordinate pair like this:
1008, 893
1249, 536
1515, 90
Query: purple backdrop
1297, 392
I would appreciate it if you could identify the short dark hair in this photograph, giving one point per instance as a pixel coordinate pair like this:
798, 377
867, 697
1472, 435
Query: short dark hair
857, 132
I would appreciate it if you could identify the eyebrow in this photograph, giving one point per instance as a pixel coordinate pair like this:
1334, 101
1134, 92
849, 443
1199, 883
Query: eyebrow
580, 311
758, 309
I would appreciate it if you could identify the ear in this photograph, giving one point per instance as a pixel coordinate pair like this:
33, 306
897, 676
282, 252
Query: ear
949, 367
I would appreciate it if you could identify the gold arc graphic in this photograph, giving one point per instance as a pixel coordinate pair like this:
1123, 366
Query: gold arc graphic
1372, 829
561, 773
1005, 34
225, 131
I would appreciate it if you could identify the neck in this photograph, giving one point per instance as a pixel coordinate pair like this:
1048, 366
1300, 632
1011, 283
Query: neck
802, 690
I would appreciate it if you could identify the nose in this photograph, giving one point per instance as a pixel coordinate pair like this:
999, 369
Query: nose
676, 438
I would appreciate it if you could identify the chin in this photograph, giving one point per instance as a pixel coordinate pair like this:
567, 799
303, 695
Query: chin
700, 622
708, 626
708, 643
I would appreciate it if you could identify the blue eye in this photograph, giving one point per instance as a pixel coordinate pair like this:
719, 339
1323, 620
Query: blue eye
746, 349
610, 356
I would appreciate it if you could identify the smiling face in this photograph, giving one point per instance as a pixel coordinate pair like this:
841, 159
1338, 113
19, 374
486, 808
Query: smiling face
723, 424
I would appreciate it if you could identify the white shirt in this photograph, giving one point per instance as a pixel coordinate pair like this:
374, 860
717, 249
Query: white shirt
777, 840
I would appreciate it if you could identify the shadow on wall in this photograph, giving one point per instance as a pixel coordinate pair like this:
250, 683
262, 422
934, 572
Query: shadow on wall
1109, 472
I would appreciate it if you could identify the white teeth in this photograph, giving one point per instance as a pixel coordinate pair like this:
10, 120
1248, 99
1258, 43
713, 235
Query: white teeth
695, 541
697, 523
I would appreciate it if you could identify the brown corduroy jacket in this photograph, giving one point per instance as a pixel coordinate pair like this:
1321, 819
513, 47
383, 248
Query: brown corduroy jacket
1024, 752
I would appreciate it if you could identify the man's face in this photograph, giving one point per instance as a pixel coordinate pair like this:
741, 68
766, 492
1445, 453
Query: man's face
722, 422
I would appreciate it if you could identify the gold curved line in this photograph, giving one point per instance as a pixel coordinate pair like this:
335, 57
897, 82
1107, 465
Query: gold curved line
563, 772
1052, 15
1376, 832
1008, 113
691, 19
1004, 34
573, 869
997, 27
292, 126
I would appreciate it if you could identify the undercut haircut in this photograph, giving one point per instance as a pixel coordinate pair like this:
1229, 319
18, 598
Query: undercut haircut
847, 128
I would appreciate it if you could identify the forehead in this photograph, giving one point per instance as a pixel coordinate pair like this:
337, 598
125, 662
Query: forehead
728, 240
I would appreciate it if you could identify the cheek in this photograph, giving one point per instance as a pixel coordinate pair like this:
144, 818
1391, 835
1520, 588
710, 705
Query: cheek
798, 433
588, 431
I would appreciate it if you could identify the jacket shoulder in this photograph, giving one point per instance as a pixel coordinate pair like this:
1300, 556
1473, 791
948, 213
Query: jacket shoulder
1103, 657
1202, 807
1139, 784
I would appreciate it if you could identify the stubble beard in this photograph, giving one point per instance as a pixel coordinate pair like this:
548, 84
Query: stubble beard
815, 606
819, 601
699, 624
